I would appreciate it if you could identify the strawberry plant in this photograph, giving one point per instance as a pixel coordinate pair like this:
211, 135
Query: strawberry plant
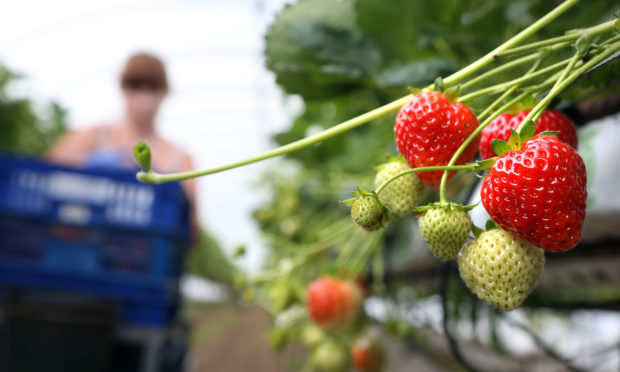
534, 185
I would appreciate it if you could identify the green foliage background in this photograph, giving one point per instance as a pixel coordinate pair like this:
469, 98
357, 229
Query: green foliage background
25, 127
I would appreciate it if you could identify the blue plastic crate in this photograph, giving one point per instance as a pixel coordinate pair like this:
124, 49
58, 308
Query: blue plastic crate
97, 233
90, 198
147, 315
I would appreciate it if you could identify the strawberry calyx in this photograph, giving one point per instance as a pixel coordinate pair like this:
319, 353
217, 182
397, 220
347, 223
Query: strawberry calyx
518, 137
490, 225
517, 140
484, 164
452, 93
358, 193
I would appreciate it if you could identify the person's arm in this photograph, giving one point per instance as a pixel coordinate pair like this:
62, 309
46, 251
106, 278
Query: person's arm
73, 147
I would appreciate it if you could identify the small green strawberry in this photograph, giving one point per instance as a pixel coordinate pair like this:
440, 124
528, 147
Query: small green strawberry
404, 193
331, 356
444, 230
367, 211
500, 268
312, 335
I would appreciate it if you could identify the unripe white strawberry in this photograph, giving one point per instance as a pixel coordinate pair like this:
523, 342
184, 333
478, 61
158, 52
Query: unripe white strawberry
500, 268
444, 230
404, 193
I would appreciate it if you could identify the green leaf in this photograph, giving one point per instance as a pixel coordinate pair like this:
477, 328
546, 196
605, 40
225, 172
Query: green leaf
339, 53
527, 131
296, 70
415, 73
476, 230
453, 93
490, 225
514, 142
464, 207
485, 164
500, 146
348, 201
406, 30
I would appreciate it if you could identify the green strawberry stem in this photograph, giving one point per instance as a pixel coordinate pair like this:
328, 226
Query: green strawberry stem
544, 48
611, 40
554, 42
563, 83
494, 89
502, 68
515, 40
497, 102
538, 109
470, 166
153, 177
560, 41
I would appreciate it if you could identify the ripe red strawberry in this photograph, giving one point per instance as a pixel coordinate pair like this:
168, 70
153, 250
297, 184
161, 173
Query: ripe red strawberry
334, 304
367, 355
429, 129
550, 120
539, 193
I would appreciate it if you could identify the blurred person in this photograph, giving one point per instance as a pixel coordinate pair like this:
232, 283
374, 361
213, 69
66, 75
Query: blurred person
144, 86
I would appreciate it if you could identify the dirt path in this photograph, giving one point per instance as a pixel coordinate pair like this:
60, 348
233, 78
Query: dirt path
235, 341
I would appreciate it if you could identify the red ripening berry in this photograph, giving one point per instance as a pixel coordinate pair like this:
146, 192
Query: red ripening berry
550, 120
539, 193
429, 129
367, 356
334, 303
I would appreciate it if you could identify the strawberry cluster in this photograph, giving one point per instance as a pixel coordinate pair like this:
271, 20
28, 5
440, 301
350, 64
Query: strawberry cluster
535, 192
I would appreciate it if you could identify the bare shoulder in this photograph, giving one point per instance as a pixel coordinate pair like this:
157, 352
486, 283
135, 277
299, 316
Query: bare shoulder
89, 132
177, 149
73, 146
